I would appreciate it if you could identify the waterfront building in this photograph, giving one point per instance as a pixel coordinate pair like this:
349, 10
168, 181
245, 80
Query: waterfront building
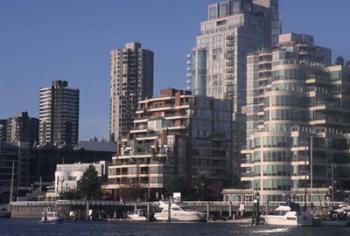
59, 114
233, 29
131, 80
2, 130
298, 120
67, 176
21, 128
35, 166
196, 72
175, 135
17, 156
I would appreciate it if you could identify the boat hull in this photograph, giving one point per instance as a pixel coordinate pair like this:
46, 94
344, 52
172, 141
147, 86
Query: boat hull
5, 214
136, 218
337, 223
59, 220
285, 221
195, 217
4, 211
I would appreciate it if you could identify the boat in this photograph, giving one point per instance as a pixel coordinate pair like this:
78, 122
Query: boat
137, 215
289, 215
50, 216
338, 223
337, 216
178, 213
4, 211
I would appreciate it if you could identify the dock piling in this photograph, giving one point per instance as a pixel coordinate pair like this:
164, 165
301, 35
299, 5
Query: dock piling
208, 212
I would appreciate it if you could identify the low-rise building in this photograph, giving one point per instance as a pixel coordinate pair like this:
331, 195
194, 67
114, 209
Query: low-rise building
67, 176
14, 159
35, 166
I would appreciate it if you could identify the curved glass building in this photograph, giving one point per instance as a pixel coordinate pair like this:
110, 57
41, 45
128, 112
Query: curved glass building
297, 121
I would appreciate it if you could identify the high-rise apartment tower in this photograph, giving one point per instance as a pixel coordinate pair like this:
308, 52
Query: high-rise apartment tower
59, 114
131, 81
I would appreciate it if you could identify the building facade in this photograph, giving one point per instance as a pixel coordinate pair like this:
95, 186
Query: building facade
3, 130
131, 80
21, 128
233, 29
67, 176
197, 72
13, 158
176, 135
59, 114
297, 121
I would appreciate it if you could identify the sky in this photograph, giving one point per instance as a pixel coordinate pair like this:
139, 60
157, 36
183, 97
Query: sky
46, 40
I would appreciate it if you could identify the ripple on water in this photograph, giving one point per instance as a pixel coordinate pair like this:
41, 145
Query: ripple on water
11, 227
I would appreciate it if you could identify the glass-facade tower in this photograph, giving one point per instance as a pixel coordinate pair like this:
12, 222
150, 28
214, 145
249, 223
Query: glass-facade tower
297, 121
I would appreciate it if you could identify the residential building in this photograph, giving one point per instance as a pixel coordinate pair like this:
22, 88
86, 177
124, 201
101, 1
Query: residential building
22, 128
233, 29
13, 158
35, 166
131, 80
176, 135
196, 71
276, 22
67, 176
59, 114
3, 130
298, 122
45, 158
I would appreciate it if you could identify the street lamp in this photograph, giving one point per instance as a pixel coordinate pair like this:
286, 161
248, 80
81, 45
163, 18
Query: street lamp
333, 190
311, 160
256, 213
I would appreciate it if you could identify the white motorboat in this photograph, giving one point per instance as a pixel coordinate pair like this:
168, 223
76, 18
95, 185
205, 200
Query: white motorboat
178, 213
4, 211
284, 215
137, 215
50, 216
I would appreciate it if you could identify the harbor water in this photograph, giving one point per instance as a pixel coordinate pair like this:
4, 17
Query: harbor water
16, 227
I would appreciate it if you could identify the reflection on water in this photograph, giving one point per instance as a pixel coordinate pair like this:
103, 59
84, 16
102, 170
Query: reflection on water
12, 227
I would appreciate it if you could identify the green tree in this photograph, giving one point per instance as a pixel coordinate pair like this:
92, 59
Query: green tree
215, 190
175, 184
340, 61
89, 186
201, 187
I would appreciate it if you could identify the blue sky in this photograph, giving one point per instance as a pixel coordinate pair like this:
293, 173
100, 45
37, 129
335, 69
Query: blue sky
45, 40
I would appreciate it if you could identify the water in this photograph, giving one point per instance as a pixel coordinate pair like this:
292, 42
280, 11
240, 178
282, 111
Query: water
12, 227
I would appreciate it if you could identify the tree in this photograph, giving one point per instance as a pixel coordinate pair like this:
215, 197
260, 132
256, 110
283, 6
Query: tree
89, 186
340, 61
215, 190
347, 63
175, 184
201, 187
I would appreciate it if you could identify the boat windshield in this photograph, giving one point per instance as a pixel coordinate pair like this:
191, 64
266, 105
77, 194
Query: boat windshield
187, 209
138, 212
176, 209
281, 213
